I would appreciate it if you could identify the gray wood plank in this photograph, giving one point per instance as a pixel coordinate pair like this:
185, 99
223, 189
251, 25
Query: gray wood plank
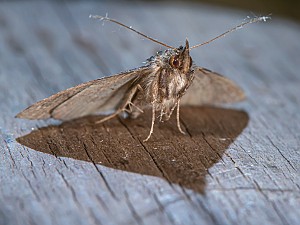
237, 165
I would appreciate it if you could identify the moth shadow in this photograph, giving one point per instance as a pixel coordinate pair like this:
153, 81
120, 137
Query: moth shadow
180, 159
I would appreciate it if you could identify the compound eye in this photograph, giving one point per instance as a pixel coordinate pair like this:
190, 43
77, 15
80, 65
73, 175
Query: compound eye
174, 61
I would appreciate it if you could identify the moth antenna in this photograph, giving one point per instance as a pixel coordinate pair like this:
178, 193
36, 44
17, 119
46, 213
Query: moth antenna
102, 18
249, 21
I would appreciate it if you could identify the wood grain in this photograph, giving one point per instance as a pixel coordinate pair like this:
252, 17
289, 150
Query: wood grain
119, 144
238, 164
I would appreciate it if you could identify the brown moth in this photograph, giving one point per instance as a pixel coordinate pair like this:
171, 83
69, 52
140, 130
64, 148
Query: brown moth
168, 79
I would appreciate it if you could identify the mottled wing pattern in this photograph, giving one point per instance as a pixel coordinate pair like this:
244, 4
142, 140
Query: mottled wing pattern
211, 88
93, 97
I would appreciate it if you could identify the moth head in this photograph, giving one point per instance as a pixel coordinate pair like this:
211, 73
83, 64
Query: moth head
181, 60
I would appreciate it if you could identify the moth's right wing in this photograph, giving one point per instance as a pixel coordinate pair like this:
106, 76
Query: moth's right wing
210, 88
93, 97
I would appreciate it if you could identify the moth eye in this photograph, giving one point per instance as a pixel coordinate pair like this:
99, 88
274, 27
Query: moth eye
174, 61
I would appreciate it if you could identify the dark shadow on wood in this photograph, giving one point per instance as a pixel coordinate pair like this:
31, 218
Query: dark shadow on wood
180, 159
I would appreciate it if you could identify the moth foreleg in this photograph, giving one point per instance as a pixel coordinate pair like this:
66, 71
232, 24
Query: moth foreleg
161, 114
177, 118
152, 122
168, 115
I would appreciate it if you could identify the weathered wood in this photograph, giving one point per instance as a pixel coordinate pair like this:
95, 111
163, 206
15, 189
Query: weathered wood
234, 166
170, 155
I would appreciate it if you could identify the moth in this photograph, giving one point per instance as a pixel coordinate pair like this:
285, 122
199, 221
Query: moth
168, 79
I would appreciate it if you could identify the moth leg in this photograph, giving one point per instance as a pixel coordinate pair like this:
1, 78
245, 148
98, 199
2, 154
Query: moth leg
167, 117
126, 101
152, 122
177, 118
161, 114
110, 116
130, 104
139, 87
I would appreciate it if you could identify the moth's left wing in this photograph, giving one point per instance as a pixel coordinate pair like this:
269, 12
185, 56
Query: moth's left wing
93, 97
211, 88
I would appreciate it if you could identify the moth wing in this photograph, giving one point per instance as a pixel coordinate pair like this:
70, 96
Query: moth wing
93, 97
211, 88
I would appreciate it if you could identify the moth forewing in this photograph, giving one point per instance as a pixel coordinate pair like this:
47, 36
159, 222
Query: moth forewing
43, 108
93, 97
211, 88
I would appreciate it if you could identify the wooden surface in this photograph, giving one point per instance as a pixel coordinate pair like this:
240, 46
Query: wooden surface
237, 164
